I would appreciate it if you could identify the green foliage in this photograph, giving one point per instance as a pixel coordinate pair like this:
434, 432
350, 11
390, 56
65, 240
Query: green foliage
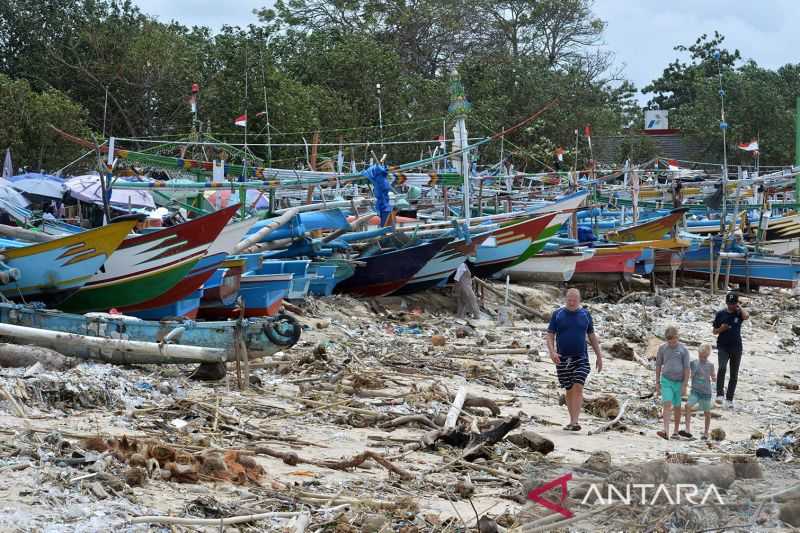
27, 116
759, 103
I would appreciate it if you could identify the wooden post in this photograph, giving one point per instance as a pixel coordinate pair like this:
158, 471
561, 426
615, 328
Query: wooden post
480, 199
711, 263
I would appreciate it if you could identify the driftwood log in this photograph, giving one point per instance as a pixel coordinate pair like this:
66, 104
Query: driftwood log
21, 356
116, 351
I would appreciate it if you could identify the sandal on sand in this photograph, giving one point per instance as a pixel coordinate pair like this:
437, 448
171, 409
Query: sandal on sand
572, 427
685, 434
704, 437
662, 435
675, 436
568, 427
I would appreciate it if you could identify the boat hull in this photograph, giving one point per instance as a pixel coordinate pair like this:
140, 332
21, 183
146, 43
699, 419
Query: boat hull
441, 266
553, 267
260, 340
508, 243
606, 265
383, 273
146, 266
756, 270
51, 272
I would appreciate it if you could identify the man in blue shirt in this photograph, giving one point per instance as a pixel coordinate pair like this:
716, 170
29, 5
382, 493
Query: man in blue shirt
566, 340
728, 328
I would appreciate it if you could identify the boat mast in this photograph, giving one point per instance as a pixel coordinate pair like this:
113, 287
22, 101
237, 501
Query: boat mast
797, 153
723, 125
459, 106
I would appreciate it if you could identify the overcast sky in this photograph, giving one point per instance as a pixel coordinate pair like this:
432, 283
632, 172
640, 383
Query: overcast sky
641, 33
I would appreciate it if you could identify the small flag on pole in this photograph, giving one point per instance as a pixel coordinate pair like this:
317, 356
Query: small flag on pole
241, 121
752, 146
673, 165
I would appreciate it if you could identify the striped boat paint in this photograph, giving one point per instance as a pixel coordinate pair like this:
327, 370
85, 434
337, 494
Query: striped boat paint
442, 265
511, 242
146, 266
649, 230
52, 271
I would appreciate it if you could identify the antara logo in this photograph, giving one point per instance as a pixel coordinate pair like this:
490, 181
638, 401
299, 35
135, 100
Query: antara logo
536, 495
649, 494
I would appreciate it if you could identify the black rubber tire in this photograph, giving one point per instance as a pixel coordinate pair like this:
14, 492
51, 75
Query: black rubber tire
279, 339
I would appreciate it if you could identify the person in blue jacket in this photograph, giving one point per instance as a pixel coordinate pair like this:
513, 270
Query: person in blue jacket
378, 176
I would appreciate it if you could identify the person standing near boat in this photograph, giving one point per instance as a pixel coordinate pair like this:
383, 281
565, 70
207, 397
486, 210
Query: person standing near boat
728, 329
569, 328
466, 301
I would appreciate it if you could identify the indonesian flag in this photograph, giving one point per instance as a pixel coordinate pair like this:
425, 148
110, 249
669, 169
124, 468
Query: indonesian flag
587, 132
673, 165
752, 146
560, 154
241, 121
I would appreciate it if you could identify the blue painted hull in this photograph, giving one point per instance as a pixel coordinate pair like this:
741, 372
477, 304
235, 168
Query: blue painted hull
757, 270
206, 334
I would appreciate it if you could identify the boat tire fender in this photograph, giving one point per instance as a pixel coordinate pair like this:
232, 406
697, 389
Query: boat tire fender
279, 337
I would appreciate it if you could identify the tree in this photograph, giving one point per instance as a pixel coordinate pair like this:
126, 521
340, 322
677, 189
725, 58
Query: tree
27, 116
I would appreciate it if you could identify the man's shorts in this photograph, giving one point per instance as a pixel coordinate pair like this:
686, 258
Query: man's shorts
671, 391
572, 371
703, 401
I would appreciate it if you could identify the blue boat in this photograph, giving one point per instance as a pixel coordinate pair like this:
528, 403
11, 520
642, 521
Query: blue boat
263, 337
183, 308
751, 269
299, 270
327, 274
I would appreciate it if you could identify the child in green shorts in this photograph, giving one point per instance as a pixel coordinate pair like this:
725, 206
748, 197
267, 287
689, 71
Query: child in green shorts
672, 378
702, 371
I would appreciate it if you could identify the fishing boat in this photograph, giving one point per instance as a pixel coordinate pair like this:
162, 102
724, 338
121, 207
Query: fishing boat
563, 208
555, 266
146, 266
438, 270
180, 299
506, 244
381, 272
649, 230
51, 272
204, 268
609, 264
748, 269
785, 247
263, 337
222, 288
327, 274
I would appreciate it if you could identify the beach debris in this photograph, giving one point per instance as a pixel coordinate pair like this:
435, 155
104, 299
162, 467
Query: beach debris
532, 441
620, 350
718, 434
599, 461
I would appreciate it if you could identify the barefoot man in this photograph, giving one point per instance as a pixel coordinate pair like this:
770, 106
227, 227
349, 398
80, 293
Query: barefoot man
566, 340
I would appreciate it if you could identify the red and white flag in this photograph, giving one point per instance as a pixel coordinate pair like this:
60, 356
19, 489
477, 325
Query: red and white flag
752, 146
560, 154
241, 121
673, 165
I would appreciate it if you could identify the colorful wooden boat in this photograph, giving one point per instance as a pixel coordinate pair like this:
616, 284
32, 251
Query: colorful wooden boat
215, 255
146, 266
222, 288
298, 268
506, 244
186, 307
442, 265
609, 264
201, 271
263, 337
753, 269
384, 271
647, 231
328, 274
563, 208
50, 272
556, 266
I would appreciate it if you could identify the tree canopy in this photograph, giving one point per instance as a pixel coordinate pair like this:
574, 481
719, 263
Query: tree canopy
103, 66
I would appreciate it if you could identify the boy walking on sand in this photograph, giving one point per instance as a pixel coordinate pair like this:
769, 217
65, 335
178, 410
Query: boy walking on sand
672, 378
702, 371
